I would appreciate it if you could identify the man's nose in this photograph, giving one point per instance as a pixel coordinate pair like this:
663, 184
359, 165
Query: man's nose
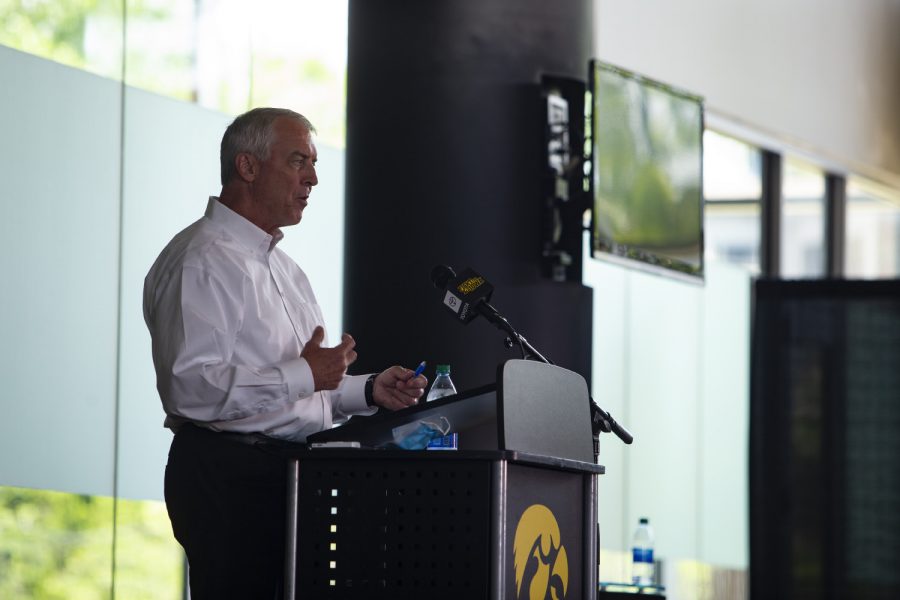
311, 177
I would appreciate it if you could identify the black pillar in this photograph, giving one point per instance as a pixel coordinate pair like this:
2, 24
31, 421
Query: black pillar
445, 160
770, 234
835, 224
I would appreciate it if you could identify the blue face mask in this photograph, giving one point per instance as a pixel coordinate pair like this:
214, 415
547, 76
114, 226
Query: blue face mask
416, 435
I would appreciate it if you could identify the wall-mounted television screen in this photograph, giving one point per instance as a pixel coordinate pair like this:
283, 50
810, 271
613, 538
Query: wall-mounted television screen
646, 172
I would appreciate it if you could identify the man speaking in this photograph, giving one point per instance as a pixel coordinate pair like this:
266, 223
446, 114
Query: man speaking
241, 355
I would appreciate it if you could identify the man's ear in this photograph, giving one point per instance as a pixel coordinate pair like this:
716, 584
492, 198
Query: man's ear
247, 166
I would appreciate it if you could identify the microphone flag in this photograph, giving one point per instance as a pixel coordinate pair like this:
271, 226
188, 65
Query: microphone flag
465, 292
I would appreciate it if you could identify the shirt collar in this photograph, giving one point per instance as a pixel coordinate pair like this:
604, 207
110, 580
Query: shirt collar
249, 235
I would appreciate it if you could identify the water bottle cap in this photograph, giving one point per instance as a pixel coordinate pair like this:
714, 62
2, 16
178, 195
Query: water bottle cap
443, 369
644, 521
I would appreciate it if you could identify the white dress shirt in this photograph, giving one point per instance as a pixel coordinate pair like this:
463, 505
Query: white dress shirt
229, 314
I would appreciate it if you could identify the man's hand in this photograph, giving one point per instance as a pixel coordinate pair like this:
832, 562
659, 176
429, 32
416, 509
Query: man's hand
396, 388
328, 365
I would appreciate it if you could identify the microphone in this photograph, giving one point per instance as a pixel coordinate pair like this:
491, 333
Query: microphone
441, 276
467, 295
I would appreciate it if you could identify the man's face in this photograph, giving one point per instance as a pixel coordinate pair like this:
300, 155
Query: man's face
281, 190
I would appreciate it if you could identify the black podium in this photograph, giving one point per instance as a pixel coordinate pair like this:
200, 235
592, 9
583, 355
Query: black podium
512, 513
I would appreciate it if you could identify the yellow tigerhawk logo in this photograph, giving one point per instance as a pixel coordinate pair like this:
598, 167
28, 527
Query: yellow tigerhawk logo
470, 285
539, 556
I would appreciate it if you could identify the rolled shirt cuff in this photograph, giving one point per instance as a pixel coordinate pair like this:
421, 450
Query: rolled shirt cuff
352, 394
298, 377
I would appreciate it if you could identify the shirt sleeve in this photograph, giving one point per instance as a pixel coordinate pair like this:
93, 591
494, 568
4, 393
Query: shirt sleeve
350, 399
198, 355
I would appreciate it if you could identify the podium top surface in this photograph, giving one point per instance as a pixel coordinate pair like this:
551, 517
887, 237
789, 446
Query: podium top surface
301, 452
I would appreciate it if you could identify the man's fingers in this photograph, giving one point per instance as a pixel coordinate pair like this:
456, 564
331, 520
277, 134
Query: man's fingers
419, 382
317, 337
401, 400
392, 402
346, 348
394, 393
328, 365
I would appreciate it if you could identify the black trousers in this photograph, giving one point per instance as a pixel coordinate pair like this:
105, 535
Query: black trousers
226, 501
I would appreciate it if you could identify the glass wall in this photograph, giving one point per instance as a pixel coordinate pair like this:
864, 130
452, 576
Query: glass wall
225, 55
58, 323
671, 363
802, 245
111, 123
872, 233
732, 180
229, 55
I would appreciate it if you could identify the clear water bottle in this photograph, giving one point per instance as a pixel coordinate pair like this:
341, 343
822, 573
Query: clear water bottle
642, 554
442, 385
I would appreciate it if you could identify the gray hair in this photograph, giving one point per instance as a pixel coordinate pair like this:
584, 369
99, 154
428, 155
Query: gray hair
252, 133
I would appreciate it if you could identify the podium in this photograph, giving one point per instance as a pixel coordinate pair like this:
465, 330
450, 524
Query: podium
512, 513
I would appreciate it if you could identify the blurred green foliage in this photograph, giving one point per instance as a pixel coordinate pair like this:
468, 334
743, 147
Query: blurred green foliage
59, 546
55, 30
160, 57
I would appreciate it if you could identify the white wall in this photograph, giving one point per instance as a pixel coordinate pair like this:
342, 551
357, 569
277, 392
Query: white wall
824, 74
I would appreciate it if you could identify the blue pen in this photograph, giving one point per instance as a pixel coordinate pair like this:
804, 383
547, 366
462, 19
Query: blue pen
418, 370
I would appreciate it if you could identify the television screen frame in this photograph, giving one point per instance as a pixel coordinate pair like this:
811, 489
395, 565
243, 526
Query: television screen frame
610, 245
